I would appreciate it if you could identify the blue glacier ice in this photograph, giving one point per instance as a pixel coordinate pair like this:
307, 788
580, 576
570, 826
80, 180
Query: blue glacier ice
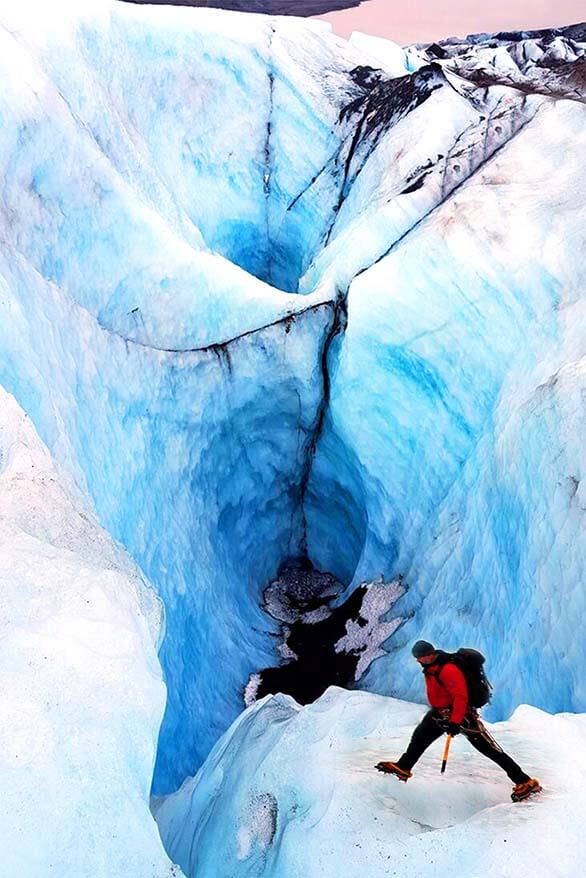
169, 430
267, 297
127, 420
481, 344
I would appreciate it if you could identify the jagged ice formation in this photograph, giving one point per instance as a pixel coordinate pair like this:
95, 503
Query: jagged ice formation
267, 294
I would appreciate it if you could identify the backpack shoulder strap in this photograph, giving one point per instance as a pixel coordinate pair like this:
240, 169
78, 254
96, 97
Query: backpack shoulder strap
446, 658
435, 671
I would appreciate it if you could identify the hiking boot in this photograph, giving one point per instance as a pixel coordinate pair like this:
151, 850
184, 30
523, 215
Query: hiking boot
523, 790
393, 768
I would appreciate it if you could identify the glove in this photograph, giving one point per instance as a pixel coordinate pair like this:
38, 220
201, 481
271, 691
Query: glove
453, 728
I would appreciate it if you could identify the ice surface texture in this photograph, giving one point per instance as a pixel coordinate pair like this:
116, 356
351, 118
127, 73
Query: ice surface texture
292, 791
82, 691
209, 512
262, 293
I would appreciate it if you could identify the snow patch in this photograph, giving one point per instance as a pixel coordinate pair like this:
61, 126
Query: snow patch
365, 636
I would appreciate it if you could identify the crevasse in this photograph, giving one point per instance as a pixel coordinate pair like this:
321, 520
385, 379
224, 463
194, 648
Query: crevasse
151, 255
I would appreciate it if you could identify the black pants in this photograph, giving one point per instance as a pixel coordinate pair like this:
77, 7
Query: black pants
429, 730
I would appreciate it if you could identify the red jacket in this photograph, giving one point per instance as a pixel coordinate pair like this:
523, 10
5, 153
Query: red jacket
451, 692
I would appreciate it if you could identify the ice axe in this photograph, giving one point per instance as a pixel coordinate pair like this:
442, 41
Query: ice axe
446, 751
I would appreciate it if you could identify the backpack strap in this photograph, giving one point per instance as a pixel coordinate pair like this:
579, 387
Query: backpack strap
444, 658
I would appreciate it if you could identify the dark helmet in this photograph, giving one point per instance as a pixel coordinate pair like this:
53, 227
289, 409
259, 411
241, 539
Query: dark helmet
422, 648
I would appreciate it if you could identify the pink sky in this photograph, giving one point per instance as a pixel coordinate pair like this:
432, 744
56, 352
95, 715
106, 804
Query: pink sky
411, 21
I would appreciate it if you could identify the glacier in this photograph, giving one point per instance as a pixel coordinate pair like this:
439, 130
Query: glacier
269, 297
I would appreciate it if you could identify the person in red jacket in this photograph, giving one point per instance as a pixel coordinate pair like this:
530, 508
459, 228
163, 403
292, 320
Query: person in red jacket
447, 694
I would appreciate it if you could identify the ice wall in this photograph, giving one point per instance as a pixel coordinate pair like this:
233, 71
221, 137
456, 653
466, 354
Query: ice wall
151, 152
186, 467
180, 391
82, 689
472, 328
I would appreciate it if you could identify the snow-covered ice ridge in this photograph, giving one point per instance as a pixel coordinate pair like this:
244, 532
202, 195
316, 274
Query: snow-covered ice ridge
264, 293
292, 791
82, 690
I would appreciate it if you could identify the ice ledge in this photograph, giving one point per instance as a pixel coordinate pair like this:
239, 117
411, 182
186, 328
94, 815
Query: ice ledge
291, 790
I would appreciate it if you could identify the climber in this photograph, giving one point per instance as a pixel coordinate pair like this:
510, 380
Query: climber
453, 710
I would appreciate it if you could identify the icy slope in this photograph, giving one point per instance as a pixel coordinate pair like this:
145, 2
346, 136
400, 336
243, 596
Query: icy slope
82, 694
292, 791
117, 193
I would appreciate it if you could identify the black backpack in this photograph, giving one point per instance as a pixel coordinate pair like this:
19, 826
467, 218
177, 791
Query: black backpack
470, 662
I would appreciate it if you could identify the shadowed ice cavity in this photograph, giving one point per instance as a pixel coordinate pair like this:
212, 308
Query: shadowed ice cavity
195, 463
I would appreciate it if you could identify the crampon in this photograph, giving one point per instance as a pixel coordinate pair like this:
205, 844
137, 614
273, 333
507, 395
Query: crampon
393, 768
523, 790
